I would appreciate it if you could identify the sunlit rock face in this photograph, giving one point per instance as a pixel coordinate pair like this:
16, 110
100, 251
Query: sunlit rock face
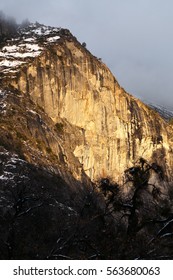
63, 78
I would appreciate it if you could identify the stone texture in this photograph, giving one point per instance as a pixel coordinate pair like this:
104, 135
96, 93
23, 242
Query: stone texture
116, 129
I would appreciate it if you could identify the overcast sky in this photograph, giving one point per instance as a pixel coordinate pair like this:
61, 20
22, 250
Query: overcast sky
133, 37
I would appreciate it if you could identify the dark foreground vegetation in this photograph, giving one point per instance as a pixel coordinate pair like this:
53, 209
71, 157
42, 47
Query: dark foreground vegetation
44, 217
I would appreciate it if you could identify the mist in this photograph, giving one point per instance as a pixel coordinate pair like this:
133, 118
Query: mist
134, 38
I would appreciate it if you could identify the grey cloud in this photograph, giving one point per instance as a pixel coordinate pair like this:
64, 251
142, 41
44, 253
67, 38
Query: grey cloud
134, 38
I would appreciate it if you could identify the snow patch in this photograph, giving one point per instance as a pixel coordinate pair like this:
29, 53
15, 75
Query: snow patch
33, 112
2, 93
21, 51
10, 63
13, 56
17, 50
53, 39
45, 30
2, 177
7, 176
3, 106
29, 40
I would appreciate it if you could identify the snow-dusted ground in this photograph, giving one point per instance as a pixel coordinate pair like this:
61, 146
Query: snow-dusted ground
21, 51
165, 113
14, 54
53, 39
9, 162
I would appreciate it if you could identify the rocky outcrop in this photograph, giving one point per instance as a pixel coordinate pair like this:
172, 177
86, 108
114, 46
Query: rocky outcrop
115, 128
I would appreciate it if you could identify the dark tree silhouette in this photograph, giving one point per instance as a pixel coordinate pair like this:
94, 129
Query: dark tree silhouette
8, 26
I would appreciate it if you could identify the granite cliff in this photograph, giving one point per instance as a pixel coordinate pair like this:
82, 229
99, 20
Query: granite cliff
76, 153
71, 85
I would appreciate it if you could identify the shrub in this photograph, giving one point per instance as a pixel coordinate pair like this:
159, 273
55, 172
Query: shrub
84, 44
59, 127
21, 136
48, 150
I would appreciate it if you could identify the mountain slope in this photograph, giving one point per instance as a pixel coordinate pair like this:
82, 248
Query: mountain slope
66, 124
164, 112
64, 79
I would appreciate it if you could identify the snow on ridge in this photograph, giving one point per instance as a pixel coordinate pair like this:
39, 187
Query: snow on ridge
32, 47
26, 45
13, 56
39, 30
53, 39
165, 113
42, 31
20, 47
21, 50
